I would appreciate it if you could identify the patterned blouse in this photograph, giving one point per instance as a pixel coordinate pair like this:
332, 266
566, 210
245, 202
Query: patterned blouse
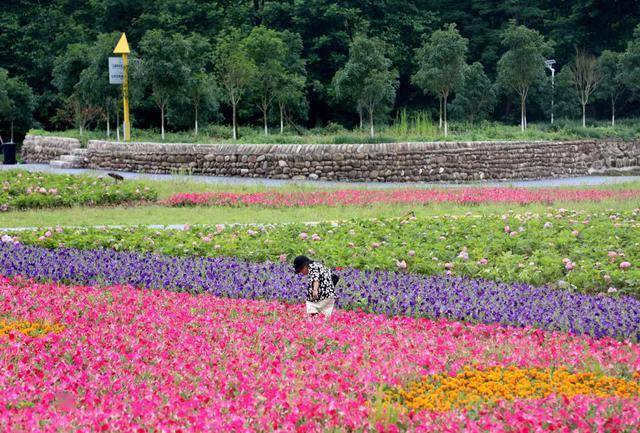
319, 272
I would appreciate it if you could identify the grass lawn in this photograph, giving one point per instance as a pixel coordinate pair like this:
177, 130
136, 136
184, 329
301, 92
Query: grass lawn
157, 214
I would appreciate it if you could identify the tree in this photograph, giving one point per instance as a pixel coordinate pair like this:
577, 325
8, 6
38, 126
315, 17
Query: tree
290, 91
164, 60
612, 86
476, 97
94, 79
523, 63
67, 70
586, 76
441, 62
235, 70
6, 106
566, 95
200, 87
16, 103
368, 77
267, 50
631, 64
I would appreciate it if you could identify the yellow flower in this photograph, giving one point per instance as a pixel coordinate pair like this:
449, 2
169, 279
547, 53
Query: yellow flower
471, 387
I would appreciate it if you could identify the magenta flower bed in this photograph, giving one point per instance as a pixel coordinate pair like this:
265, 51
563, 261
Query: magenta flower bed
129, 360
414, 196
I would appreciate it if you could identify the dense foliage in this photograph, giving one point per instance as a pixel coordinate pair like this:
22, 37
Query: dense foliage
26, 190
589, 252
39, 37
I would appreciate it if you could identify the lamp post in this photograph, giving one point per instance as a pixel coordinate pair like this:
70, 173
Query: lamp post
549, 64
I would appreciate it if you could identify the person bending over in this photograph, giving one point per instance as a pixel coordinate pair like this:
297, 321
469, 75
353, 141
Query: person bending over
321, 284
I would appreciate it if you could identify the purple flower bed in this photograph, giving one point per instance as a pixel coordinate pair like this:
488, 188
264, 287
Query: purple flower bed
380, 292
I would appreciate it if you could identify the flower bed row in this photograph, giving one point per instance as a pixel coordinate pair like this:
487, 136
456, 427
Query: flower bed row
587, 252
26, 190
138, 360
379, 292
404, 196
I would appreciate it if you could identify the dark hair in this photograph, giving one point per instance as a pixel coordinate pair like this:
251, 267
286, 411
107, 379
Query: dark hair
300, 262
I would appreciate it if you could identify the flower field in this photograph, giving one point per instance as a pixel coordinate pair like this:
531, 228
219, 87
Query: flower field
516, 322
467, 196
389, 293
585, 252
25, 190
130, 360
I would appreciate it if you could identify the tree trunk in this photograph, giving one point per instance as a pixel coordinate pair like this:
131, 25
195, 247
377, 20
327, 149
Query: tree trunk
584, 115
613, 112
196, 116
372, 132
233, 109
12, 131
162, 122
446, 125
264, 118
281, 118
440, 113
522, 124
118, 125
361, 120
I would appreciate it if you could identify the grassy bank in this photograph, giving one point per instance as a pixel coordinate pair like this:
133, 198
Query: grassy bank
401, 130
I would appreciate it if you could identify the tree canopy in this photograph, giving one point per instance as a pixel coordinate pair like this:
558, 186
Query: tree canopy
49, 44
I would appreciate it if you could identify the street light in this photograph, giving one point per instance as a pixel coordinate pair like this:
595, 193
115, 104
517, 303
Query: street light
549, 63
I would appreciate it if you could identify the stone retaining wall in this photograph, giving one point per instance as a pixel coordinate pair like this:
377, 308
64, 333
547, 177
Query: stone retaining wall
39, 149
443, 161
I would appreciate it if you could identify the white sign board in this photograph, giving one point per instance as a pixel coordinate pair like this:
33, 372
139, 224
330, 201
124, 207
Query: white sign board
116, 70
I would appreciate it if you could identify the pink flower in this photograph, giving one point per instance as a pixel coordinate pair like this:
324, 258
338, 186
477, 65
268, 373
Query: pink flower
548, 225
186, 227
448, 266
219, 228
48, 234
625, 265
575, 233
507, 229
206, 239
351, 244
411, 253
315, 237
283, 258
483, 262
569, 266
513, 234
612, 254
303, 236
252, 232
402, 265
612, 290
59, 229
375, 245
464, 255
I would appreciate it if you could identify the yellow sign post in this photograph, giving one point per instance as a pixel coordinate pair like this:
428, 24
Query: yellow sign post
123, 48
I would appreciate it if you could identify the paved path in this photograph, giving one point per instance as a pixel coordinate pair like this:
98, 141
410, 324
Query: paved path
242, 181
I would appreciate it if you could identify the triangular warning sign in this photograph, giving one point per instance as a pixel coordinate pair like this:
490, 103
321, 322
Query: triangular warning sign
123, 46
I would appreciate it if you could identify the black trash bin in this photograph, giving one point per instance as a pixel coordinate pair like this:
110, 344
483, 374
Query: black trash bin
9, 153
